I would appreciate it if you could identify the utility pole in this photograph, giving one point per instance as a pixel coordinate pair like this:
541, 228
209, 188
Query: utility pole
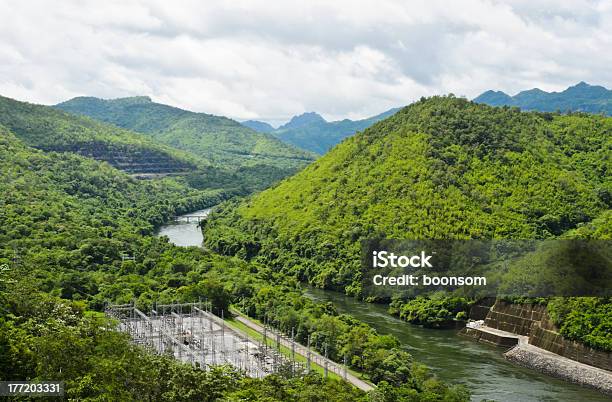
325, 366
292, 351
308, 356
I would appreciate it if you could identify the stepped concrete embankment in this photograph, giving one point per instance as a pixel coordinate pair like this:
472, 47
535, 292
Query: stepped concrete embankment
535, 343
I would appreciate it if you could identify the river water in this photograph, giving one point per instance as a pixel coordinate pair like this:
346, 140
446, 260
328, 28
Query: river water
480, 367
184, 232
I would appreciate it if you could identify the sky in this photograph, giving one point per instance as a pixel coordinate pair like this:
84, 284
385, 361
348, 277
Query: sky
270, 60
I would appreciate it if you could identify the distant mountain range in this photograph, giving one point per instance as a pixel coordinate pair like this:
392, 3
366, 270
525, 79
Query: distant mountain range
581, 97
310, 131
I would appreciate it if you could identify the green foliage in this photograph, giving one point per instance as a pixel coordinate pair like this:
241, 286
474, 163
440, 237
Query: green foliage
433, 311
223, 142
440, 168
65, 223
299, 389
584, 319
340, 336
49, 129
43, 337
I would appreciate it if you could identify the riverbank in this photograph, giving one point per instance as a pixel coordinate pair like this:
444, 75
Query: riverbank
453, 358
537, 344
184, 231
552, 364
481, 367
541, 360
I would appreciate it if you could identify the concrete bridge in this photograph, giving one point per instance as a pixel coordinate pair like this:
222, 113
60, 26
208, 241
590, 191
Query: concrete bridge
190, 218
197, 216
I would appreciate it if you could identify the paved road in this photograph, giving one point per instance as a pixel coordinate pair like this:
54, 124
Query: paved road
315, 357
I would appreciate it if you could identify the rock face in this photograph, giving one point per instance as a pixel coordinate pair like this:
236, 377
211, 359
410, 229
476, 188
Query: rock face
549, 363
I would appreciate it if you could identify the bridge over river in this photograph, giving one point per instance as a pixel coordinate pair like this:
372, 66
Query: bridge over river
184, 230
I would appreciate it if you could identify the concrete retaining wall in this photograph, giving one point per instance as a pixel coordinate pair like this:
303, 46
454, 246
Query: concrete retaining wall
480, 310
487, 337
515, 318
533, 321
554, 342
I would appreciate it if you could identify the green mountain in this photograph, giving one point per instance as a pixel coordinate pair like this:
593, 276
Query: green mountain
49, 129
259, 126
579, 98
310, 131
440, 168
66, 224
302, 120
222, 141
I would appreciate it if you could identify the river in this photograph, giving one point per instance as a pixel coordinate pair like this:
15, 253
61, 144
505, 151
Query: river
184, 232
482, 368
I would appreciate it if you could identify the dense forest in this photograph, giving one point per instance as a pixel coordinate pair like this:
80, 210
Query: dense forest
49, 129
223, 142
441, 168
66, 223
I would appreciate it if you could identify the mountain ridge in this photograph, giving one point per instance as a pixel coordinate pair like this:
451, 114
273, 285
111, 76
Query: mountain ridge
302, 120
260, 126
443, 167
49, 129
581, 97
312, 132
218, 138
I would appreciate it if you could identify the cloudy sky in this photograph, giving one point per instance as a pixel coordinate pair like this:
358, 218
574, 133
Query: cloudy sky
270, 60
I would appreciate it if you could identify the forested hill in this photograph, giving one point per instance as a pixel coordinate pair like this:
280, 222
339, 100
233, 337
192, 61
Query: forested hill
440, 168
310, 131
224, 142
66, 224
49, 129
581, 97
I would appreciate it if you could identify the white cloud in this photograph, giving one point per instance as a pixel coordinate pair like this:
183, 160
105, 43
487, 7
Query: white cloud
270, 60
